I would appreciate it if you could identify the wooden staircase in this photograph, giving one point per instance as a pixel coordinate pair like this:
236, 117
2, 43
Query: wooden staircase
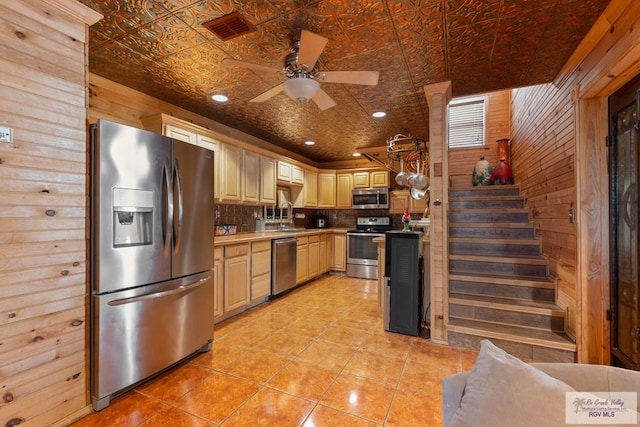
499, 284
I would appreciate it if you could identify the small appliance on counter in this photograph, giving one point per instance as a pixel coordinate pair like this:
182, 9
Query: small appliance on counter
320, 221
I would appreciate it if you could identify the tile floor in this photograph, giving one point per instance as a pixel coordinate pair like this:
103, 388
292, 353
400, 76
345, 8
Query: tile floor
316, 357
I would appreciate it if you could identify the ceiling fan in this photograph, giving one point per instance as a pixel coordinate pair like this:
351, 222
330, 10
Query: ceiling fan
303, 77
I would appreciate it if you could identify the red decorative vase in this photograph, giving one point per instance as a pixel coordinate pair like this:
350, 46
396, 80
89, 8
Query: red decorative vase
502, 173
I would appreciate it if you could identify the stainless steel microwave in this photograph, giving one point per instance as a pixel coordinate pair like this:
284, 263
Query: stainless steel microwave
370, 198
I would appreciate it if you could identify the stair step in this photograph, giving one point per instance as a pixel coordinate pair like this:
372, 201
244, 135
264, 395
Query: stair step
512, 287
482, 202
492, 230
509, 312
518, 334
499, 266
489, 215
485, 190
502, 247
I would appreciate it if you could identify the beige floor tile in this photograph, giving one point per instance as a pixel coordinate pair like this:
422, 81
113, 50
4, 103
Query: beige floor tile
221, 354
303, 380
425, 352
328, 355
323, 416
424, 378
375, 367
175, 383
130, 409
257, 365
217, 397
388, 344
413, 409
308, 327
344, 335
270, 407
173, 417
360, 397
286, 343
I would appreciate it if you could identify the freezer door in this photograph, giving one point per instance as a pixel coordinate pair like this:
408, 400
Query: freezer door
139, 332
130, 207
193, 211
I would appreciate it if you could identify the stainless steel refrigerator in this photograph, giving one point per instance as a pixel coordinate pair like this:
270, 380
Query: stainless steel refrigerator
152, 219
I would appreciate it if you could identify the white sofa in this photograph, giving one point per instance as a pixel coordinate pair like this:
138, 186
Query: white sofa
504, 391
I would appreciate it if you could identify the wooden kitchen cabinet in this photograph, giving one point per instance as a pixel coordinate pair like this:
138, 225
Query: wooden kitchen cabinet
344, 190
314, 256
267, 181
327, 189
371, 179
398, 201
290, 173
310, 189
230, 173
218, 283
260, 270
324, 259
339, 262
302, 260
250, 177
236, 276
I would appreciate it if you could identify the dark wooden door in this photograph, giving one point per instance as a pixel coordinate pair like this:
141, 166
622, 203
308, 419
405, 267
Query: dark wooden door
624, 157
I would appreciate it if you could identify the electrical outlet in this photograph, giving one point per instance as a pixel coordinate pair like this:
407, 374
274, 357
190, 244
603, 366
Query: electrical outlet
6, 134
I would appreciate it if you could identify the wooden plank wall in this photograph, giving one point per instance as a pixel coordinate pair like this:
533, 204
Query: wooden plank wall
498, 125
543, 157
43, 259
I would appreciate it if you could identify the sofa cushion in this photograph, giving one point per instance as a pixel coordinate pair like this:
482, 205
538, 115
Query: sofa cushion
502, 390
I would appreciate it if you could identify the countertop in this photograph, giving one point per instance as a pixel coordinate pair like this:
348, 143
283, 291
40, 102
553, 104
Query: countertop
269, 235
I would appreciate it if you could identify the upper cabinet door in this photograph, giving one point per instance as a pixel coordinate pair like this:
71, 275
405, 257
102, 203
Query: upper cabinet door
284, 171
344, 189
361, 180
379, 178
180, 134
230, 168
267, 181
213, 145
251, 177
327, 190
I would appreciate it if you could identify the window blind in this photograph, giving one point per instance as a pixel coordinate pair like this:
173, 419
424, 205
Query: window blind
466, 122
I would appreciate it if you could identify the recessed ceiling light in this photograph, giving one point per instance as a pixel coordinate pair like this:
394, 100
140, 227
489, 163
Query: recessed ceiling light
378, 114
356, 154
218, 97
309, 143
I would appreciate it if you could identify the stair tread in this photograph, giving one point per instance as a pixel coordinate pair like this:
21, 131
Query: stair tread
510, 304
531, 260
492, 224
527, 335
538, 282
489, 210
512, 241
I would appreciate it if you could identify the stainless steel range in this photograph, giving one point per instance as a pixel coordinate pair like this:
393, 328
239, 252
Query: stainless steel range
362, 252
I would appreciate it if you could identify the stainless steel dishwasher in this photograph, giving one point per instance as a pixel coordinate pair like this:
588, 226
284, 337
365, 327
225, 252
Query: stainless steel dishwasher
283, 264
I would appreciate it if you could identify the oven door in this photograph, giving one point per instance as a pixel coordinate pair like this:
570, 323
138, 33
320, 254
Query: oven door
361, 249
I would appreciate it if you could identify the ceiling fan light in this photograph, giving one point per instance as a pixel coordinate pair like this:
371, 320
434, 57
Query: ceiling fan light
301, 89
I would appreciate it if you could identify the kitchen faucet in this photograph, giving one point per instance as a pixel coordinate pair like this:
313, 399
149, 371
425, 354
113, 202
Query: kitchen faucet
289, 211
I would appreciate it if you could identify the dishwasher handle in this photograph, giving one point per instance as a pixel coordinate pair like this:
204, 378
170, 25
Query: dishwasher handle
285, 240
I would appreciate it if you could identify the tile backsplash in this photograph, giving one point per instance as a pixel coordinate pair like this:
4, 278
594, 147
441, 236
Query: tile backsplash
244, 216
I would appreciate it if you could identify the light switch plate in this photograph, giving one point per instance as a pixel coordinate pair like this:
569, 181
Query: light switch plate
6, 134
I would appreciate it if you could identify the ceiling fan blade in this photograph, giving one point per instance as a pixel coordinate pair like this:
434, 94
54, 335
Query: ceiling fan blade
251, 65
354, 77
311, 46
323, 101
268, 94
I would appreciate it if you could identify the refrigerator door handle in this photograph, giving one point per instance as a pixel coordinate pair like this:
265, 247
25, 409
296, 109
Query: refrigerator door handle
177, 230
167, 201
182, 288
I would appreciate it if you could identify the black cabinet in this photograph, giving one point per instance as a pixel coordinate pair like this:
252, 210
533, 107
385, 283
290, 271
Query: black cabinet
403, 269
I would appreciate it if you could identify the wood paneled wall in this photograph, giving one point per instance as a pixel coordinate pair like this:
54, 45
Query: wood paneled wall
543, 159
43, 259
462, 160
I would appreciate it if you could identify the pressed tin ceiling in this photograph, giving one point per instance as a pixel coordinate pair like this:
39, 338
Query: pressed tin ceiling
162, 49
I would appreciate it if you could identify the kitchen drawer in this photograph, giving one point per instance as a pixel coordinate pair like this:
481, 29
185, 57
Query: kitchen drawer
217, 253
260, 263
303, 240
314, 239
236, 250
261, 246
